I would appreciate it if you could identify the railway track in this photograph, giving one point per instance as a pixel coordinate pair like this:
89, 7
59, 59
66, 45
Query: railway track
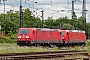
39, 55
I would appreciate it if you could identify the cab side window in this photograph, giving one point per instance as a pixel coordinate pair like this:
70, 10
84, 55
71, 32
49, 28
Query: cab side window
33, 32
60, 33
67, 33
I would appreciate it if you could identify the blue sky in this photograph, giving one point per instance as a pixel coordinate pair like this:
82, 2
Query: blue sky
52, 8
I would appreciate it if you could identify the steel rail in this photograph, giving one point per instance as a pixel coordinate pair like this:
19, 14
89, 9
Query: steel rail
37, 55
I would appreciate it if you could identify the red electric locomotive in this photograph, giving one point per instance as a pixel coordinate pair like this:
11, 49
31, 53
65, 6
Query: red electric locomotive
28, 36
73, 36
38, 36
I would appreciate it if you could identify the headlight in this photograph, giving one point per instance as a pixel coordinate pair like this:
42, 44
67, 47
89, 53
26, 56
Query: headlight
19, 36
62, 37
27, 36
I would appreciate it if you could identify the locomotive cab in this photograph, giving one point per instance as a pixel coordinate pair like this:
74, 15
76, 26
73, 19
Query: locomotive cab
64, 34
24, 36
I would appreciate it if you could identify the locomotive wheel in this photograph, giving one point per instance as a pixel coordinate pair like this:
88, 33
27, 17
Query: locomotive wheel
19, 44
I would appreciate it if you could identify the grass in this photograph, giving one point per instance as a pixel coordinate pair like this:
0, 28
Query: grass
14, 48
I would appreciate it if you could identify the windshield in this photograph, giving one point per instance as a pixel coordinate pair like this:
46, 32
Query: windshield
62, 33
24, 31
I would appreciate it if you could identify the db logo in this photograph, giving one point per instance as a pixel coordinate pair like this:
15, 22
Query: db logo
48, 35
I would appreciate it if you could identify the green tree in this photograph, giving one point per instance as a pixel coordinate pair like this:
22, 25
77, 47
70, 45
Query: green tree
63, 19
88, 30
30, 20
12, 21
27, 21
67, 26
50, 22
79, 24
2, 21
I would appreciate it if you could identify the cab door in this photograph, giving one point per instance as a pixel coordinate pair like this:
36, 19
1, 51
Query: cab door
67, 37
33, 35
63, 36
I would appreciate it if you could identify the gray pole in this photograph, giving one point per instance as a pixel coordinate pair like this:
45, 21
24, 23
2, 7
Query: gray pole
73, 13
84, 15
21, 17
42, 18
4, 19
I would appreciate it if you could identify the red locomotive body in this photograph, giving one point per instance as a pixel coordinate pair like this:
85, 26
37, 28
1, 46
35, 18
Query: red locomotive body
38, 35
74, 36
49, 36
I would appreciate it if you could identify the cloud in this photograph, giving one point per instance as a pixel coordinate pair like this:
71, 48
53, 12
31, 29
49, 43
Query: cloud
52, 8
8, 8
